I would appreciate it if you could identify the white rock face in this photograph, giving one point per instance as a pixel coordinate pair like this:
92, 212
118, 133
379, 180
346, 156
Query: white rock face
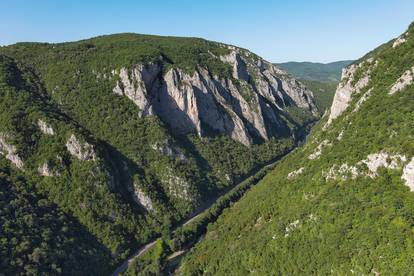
178, 187
82, 151
291, 226
400, 40
318, 151
383, 159
45, 170
405, 80
343, 172
136, 85
363, 99
141, 198
169, 150
347, 88
239, 66
295, 173
45, 128
340, 135
202, 102
374, 162
408, 175
9, 151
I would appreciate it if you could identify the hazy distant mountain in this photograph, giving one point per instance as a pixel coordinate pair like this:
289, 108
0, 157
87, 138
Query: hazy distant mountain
313, 71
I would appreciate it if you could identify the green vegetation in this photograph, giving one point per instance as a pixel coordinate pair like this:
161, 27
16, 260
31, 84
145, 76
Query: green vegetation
310, 224
81, 189
313, 71
68, 87
323, 92
37, 237
153, 262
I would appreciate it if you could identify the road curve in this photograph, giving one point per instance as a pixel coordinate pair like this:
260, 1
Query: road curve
138, 253
192, 217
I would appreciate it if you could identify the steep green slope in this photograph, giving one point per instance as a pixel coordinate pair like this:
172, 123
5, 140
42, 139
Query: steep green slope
314, 71
37, 237
79, 180
339, 204
72, 123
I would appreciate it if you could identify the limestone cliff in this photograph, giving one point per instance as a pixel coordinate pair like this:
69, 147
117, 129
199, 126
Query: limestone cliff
246, 105
350, 84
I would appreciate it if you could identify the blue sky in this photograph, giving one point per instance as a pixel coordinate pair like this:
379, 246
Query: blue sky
279, 31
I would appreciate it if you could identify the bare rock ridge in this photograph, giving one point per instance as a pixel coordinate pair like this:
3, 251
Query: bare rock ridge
247, 105
349, 86
82, 151
405, 80
400, 40
10, 151
45, 128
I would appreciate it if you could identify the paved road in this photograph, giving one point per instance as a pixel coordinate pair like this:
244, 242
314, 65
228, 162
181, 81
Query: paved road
139, 252
192, 217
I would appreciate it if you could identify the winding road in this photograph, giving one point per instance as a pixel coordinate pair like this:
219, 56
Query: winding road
191, 218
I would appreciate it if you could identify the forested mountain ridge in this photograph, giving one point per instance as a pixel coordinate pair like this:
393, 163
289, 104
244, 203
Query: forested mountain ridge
343, 203
125, 135
315, 71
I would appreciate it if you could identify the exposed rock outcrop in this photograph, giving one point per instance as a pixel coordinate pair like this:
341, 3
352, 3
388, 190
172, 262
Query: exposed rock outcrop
9, 151
82, 151
45, 128
383, 159
373, 162
400, 40
405, 80
169, 150
340, 135
295, 173
178, 187
343, 172
363, 99
408, 175
197, 102
348, 87
318, 151
246, 106
141, 198
291, 227
45, 170
239, 66
137, 84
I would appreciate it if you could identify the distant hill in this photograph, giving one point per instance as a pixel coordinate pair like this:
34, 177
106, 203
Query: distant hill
313, 71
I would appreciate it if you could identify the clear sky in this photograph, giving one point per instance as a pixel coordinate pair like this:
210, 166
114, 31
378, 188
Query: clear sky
299, 30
